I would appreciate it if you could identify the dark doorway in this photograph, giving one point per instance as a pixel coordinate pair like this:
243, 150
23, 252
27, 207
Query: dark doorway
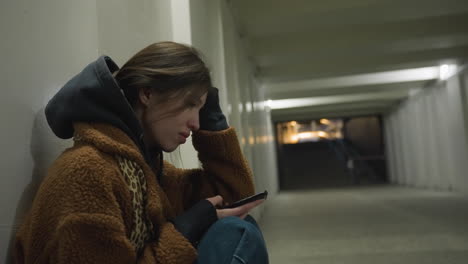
330, 153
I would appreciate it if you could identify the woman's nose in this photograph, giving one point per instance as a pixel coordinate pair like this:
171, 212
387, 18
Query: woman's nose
194, 123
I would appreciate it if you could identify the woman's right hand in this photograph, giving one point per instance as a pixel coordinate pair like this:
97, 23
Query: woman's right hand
241, 211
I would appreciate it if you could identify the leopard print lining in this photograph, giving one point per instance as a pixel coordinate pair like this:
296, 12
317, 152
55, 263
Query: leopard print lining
135, 179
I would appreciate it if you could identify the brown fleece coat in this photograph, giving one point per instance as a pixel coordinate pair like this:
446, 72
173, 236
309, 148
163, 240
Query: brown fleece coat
83, 210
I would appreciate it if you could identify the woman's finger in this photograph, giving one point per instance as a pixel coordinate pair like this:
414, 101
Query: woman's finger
233, 211
239, 211
256, 203
252, 205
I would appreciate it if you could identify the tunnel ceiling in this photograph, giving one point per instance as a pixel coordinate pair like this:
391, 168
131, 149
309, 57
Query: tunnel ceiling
357, 57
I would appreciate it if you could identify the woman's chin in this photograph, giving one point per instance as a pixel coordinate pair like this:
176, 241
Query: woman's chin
170, 148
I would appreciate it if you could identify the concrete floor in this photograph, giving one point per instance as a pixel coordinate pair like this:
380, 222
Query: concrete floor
379, 225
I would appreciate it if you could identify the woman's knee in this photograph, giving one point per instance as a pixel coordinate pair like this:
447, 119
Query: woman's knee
233, 238
235, 232
251, 220
238, 226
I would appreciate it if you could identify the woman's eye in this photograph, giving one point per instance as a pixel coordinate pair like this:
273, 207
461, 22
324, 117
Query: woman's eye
192, 105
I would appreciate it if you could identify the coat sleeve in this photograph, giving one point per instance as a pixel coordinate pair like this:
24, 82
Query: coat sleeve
224, 171
81, 219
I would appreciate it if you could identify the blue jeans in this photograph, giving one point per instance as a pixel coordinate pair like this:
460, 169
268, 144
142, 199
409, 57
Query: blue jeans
232, 240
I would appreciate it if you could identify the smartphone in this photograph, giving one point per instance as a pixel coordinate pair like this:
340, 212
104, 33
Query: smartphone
258, 196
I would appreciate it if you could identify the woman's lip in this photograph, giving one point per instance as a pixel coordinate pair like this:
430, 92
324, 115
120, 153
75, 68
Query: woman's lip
184, 135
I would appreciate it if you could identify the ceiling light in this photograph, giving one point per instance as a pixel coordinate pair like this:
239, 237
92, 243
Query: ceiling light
325, 121
446, 71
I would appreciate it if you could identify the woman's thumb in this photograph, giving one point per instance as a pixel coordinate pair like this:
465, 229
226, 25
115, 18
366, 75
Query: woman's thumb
215, 200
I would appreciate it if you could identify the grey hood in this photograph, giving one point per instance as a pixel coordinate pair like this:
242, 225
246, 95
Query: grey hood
94, 96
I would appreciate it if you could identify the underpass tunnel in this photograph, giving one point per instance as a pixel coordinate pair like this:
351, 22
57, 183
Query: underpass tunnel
368, 106
352, 114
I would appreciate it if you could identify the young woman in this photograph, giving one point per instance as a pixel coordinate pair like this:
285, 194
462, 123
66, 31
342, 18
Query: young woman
112, 199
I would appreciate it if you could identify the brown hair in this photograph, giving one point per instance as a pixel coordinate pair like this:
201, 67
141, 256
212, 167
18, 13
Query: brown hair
172, 70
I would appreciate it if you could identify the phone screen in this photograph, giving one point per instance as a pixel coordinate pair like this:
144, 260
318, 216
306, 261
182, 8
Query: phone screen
258, 196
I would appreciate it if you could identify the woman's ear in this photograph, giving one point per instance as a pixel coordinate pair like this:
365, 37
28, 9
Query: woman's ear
144, 95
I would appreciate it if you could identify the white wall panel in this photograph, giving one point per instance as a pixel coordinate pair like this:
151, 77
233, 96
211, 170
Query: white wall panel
425, 150
398, 149
254, 122
214, 33
464, 92
457, 140
126, 26
415, 146
432, 159
444, 151
389, 138
405, 143
392, 144
419, 141
44, 43
429, 138
388, 143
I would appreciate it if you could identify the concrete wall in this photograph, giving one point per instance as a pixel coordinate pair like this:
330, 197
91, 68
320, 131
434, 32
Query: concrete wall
38, 56
215, 35
125, 27
426, 137
45, 43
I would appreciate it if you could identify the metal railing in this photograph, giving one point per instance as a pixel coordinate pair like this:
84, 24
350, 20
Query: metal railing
356, 165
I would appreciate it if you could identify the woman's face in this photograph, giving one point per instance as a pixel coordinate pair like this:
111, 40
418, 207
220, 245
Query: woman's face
167, 128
